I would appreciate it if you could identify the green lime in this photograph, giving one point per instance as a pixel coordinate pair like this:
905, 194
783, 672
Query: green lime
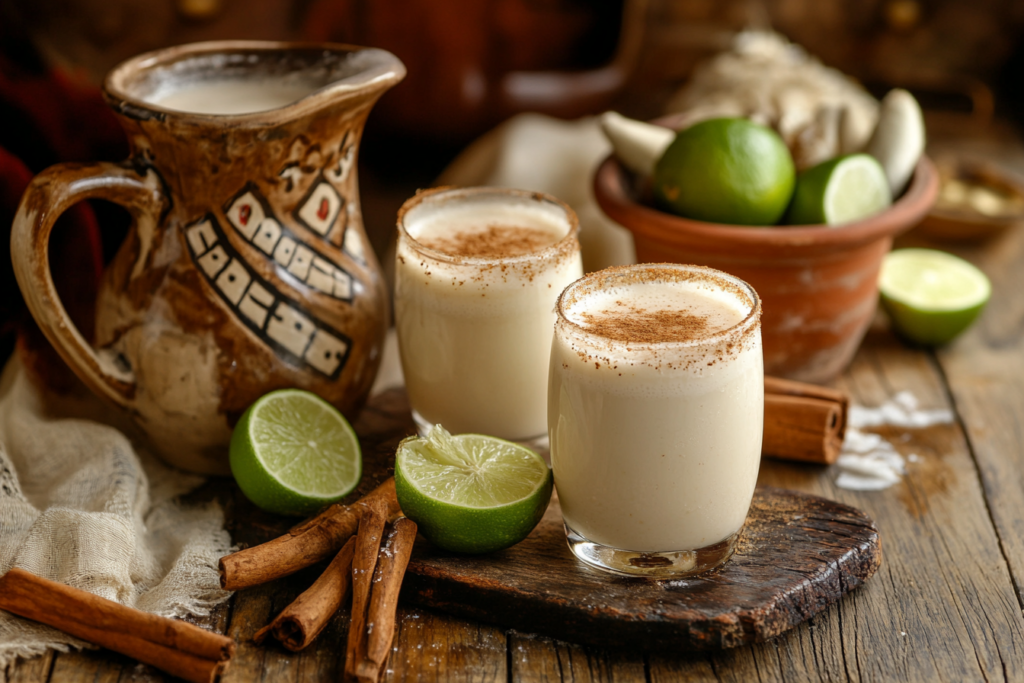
293, 452
931, 296
471, 493
726, 171
838, 191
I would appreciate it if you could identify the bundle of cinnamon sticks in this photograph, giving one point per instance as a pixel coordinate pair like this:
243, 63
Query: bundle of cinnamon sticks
372, 564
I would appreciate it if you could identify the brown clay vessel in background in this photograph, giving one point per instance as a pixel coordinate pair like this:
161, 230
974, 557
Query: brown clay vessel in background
247, 268
818, 285
962, 222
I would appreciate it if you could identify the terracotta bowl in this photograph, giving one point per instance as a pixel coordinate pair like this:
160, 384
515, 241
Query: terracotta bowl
818, 285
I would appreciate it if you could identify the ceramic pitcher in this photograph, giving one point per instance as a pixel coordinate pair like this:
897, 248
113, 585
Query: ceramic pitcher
247, 268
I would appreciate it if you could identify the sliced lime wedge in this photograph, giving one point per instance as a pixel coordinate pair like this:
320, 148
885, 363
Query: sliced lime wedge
471, 493
931, 296
293, 452
839, 191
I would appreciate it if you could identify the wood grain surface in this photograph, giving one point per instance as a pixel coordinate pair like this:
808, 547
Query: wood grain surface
946, 604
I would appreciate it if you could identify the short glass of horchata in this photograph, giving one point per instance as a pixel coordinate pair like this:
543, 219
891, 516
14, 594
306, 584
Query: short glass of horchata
655, 415
477, 274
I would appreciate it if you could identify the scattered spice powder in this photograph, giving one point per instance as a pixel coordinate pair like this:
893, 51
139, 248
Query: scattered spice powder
494, 241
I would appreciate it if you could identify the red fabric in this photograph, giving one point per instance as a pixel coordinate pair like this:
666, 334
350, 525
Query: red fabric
14, 178
49, 119
73, 120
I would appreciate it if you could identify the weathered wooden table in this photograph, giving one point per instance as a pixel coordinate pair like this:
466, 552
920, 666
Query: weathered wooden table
945, 605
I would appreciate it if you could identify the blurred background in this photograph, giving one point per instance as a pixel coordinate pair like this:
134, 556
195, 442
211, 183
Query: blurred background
473, 64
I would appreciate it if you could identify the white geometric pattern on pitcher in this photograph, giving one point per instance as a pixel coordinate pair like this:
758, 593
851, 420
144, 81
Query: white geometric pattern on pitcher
353, 242
251, 216
320, 207
284, 325
346, 159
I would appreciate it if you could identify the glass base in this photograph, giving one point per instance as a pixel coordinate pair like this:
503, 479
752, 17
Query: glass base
537, 443
661, 565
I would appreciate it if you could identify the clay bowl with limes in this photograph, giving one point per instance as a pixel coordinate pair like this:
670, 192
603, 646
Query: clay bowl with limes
818, 284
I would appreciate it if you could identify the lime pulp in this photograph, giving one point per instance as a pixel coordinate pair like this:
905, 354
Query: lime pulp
471, 493
292, 453
838, 191
931, 296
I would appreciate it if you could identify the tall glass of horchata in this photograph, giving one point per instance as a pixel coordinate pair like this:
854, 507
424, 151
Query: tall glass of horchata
655, 414
477, 274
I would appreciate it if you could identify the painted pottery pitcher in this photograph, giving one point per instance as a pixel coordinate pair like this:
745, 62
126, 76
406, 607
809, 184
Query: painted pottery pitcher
247, 268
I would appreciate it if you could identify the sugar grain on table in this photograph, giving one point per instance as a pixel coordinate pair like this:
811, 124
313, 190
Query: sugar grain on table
901, 411
868, 461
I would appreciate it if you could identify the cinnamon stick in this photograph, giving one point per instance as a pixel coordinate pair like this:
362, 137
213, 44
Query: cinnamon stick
303, 620
364, 561
179, 648
387, 582
803, 422
308, 543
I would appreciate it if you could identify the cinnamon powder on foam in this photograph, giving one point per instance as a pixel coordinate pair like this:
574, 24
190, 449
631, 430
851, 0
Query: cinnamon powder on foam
494, 241
641, 326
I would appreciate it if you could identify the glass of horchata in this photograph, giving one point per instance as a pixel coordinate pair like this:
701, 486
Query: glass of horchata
477, 274
655, 414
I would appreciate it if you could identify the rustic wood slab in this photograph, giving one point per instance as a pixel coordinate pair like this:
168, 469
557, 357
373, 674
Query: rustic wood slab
797, 554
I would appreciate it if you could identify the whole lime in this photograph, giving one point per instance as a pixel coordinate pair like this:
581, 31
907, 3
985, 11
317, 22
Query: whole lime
726, 170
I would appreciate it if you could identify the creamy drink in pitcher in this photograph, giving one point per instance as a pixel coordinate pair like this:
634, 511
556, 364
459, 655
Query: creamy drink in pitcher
233, 96
655, 412
477, 274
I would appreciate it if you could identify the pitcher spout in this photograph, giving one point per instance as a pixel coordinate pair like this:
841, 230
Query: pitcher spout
248, 82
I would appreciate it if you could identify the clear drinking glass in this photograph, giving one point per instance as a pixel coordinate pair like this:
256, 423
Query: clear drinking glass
477, 274
655, 416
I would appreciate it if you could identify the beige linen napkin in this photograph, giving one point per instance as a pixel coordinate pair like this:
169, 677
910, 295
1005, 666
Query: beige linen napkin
83, 504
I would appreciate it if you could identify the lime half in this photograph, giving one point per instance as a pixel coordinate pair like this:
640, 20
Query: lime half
931, 296
293, 452
471, 493
841, 190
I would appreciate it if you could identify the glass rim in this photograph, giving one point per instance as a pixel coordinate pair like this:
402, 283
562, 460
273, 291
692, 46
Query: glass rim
453, 192
751, 319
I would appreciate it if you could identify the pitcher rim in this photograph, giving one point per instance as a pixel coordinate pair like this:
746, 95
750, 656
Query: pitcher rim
385, 72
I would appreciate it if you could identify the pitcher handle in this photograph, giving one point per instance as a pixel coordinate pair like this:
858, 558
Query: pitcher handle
50, 194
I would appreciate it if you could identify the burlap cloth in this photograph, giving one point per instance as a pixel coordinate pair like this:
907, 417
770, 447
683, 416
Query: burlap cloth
84, 504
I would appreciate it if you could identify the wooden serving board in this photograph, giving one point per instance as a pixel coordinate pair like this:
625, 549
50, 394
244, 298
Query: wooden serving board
797, 554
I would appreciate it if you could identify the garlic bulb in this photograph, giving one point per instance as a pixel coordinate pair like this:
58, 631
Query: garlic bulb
898, 140
637, 145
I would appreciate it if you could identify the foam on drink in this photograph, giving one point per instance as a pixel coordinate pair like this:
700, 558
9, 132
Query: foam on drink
235, 96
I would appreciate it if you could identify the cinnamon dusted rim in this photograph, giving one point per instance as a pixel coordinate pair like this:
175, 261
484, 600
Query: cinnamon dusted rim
659, 272
567, 244
333, 67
